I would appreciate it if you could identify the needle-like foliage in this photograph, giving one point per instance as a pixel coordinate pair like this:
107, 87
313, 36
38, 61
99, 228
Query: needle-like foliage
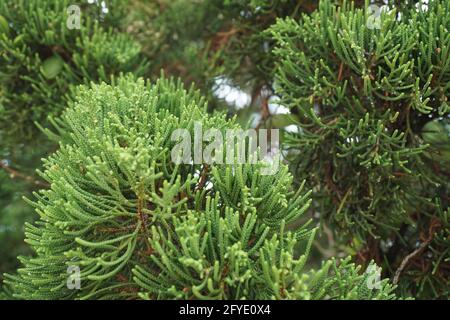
137, 225
371, 102
41, 58
44, 55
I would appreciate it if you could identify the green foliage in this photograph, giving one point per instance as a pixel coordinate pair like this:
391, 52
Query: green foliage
344, 281
42, 59
139, 226
14, 215
370, 104
363, 98
41, 62
201, 40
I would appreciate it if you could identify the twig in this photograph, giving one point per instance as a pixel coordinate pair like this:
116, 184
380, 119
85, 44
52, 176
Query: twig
434, 224
14, 173
116, 230
223, 37
341, 69
264, 111
203, 178
328, 253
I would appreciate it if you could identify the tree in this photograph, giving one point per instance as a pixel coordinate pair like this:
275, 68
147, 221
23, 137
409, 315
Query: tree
136, 225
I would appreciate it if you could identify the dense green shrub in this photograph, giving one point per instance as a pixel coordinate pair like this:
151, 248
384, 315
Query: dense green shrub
372, 106
42, 60
139, 226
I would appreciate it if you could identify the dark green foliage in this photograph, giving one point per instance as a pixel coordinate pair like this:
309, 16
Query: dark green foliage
373, 146
364, 98
201, 40
17, 179
14, 215
42, 59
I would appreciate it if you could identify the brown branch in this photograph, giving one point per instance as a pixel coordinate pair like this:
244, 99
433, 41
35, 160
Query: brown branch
434, 224
203, 178
341, 69
144, 218
334, 190
16, 174
221, 38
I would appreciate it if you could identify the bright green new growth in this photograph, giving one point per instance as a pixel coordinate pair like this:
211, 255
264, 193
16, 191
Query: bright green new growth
41, 59
364, 97
139, 226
